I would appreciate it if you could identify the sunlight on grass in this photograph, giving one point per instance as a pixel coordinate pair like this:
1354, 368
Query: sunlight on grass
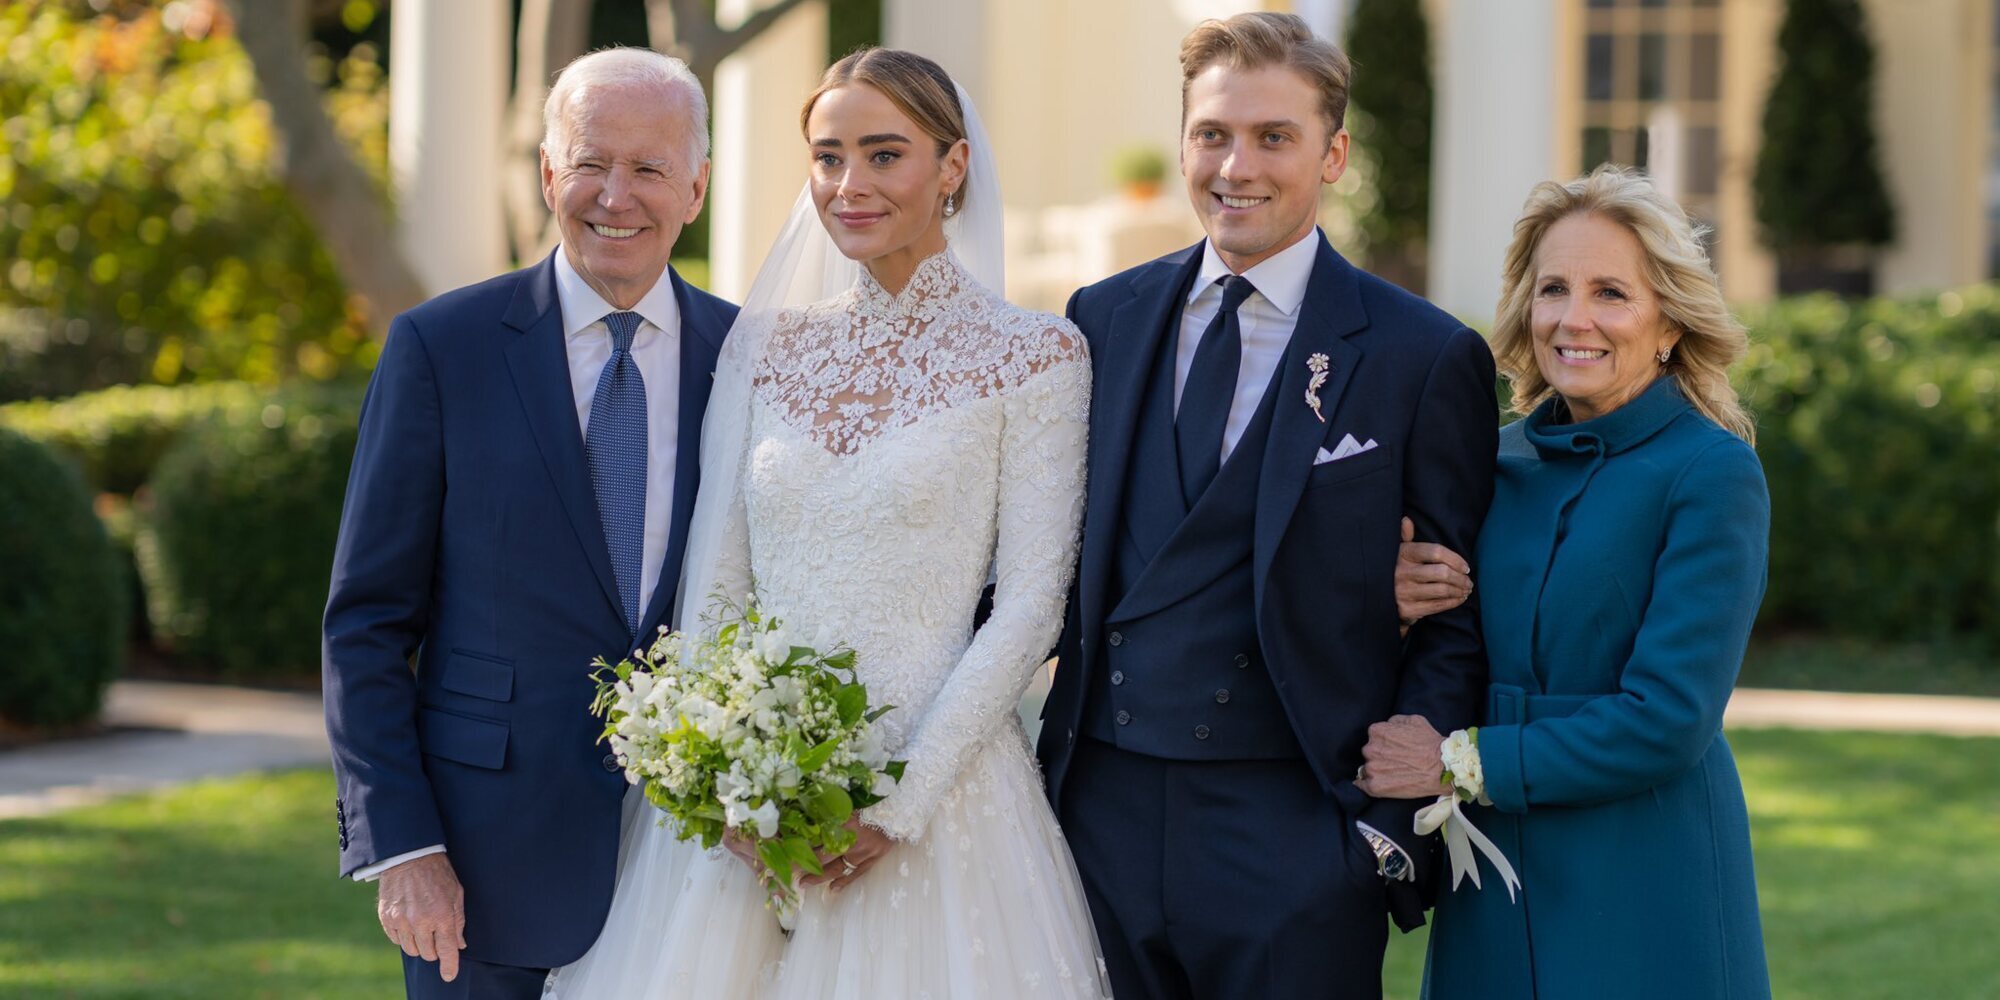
1877, 864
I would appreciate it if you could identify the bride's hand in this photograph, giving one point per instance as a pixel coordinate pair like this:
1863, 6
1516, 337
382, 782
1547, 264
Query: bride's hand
744, 850
869, 847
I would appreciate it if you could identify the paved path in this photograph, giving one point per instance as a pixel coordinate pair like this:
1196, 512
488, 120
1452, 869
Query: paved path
165, 734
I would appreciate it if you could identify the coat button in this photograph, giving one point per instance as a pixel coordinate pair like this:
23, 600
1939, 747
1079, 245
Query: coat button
1118, 677
1124, 718
611, 763
1242, 660
1222, 696
1117, 638
1201, 732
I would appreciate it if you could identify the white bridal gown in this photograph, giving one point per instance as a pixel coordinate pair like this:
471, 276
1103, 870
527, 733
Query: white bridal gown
900, 449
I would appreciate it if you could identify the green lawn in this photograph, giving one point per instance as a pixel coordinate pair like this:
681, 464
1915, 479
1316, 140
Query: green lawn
1831, 663
1878, 859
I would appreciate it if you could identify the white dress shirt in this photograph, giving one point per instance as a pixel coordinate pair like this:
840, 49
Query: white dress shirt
656, 348
1267, 319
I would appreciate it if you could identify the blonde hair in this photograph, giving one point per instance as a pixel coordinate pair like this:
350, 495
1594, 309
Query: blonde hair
917, 86
1262, 38
1676, 269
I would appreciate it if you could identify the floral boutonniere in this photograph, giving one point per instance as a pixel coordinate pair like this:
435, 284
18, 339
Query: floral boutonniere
1319, 365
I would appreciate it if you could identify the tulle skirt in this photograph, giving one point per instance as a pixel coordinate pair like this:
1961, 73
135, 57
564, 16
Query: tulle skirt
986, 904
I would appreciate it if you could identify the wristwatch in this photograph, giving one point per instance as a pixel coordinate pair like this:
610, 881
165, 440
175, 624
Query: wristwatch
1390, 862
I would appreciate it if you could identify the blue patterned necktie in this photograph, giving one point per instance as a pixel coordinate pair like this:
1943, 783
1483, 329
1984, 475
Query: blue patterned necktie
1209, 390
616, 448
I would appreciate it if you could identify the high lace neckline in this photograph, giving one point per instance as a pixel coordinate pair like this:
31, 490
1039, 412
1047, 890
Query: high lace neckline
937, 276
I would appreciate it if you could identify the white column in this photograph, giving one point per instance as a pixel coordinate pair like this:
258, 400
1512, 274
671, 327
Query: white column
1496, 114
760, 158
448, 90
954, 34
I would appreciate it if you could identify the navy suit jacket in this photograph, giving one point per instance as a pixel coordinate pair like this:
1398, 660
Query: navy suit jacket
1401, 372
470, 549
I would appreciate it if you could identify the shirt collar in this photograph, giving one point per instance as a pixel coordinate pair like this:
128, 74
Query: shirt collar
1281, 278
582, 306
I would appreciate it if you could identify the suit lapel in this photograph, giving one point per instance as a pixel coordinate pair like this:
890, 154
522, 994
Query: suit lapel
539, 362
701, 336
1137, 328
1330, 313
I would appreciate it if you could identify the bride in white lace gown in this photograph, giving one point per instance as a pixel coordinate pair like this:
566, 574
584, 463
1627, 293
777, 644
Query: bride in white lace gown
869, 461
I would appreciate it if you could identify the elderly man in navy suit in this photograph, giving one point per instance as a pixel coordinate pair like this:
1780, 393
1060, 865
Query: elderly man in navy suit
518, 506
1264, 415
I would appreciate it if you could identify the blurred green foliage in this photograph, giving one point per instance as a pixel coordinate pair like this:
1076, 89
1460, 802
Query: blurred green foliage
1879, 428
1390, 117
1818, 179
235, 540
115, 436
146, 238
62, 593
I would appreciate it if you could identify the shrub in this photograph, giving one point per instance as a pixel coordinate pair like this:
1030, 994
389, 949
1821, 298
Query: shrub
1879, 428
236, 537
117, 435
62, 594
144, 234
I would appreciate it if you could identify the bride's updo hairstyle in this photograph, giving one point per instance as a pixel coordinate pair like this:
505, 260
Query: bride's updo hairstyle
917, 87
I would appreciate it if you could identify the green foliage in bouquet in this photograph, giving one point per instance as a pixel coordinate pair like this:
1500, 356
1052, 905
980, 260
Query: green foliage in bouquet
752, 732
236, 541
62, 593
144, 235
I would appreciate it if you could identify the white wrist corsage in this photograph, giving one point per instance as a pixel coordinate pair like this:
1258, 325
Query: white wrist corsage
1464, 781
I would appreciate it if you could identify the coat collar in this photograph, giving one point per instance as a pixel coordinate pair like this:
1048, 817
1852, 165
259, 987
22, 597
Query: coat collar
1622, 429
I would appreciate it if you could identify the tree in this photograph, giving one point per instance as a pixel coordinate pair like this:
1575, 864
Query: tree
1818, 182
1392, 99
343, 202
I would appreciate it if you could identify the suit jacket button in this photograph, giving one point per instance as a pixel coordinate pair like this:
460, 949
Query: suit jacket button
611, 763
1124, 718
1117, 639
1118, 677
1222, 697
1242, 660
1201, 732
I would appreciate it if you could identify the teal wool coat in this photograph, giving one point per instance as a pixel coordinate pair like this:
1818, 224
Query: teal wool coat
1619, 571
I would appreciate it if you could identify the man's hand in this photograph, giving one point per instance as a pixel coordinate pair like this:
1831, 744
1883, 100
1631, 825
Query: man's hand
1401, 760
422, 909
870, 846
1430, 579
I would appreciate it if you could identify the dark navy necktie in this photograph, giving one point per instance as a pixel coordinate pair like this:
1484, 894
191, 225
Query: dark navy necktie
1208, 391
616, 449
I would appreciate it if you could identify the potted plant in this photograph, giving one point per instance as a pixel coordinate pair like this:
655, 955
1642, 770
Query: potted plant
1139, 170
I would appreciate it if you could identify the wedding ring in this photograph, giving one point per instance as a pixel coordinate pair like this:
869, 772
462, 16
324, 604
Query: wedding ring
848, 868
1360, 773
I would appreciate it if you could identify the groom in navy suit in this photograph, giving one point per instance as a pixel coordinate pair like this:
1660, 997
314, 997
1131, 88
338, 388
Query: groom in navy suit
1264, 415
518, 505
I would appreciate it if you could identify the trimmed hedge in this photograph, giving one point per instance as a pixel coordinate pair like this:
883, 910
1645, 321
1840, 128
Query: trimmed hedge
236, 538
117, 435
1879, 428
62, 593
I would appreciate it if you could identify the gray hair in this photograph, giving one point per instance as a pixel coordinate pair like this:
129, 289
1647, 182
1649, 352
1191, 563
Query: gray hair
624, 66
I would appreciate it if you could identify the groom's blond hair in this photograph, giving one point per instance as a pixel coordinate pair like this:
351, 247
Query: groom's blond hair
1262, 38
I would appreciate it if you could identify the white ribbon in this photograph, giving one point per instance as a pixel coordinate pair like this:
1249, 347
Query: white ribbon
1460, 837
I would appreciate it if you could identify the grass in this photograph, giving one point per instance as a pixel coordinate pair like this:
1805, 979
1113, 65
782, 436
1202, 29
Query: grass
1877, 864
1828, 663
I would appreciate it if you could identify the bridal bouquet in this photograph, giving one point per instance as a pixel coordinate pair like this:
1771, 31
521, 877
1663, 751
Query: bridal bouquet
749, 732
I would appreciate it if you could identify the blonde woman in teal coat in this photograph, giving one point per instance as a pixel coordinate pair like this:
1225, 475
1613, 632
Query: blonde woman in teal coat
1618, 572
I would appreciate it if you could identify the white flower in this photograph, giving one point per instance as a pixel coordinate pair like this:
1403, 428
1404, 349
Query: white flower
883, 785
766, 818
1460, 754
774, 646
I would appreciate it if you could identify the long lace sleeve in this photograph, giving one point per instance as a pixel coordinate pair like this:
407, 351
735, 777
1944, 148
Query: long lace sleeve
1039, 513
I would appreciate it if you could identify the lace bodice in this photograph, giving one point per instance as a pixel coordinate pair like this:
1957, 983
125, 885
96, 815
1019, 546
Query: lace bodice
901, 448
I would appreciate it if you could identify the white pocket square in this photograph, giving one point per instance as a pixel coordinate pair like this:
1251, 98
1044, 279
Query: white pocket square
1347, 448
